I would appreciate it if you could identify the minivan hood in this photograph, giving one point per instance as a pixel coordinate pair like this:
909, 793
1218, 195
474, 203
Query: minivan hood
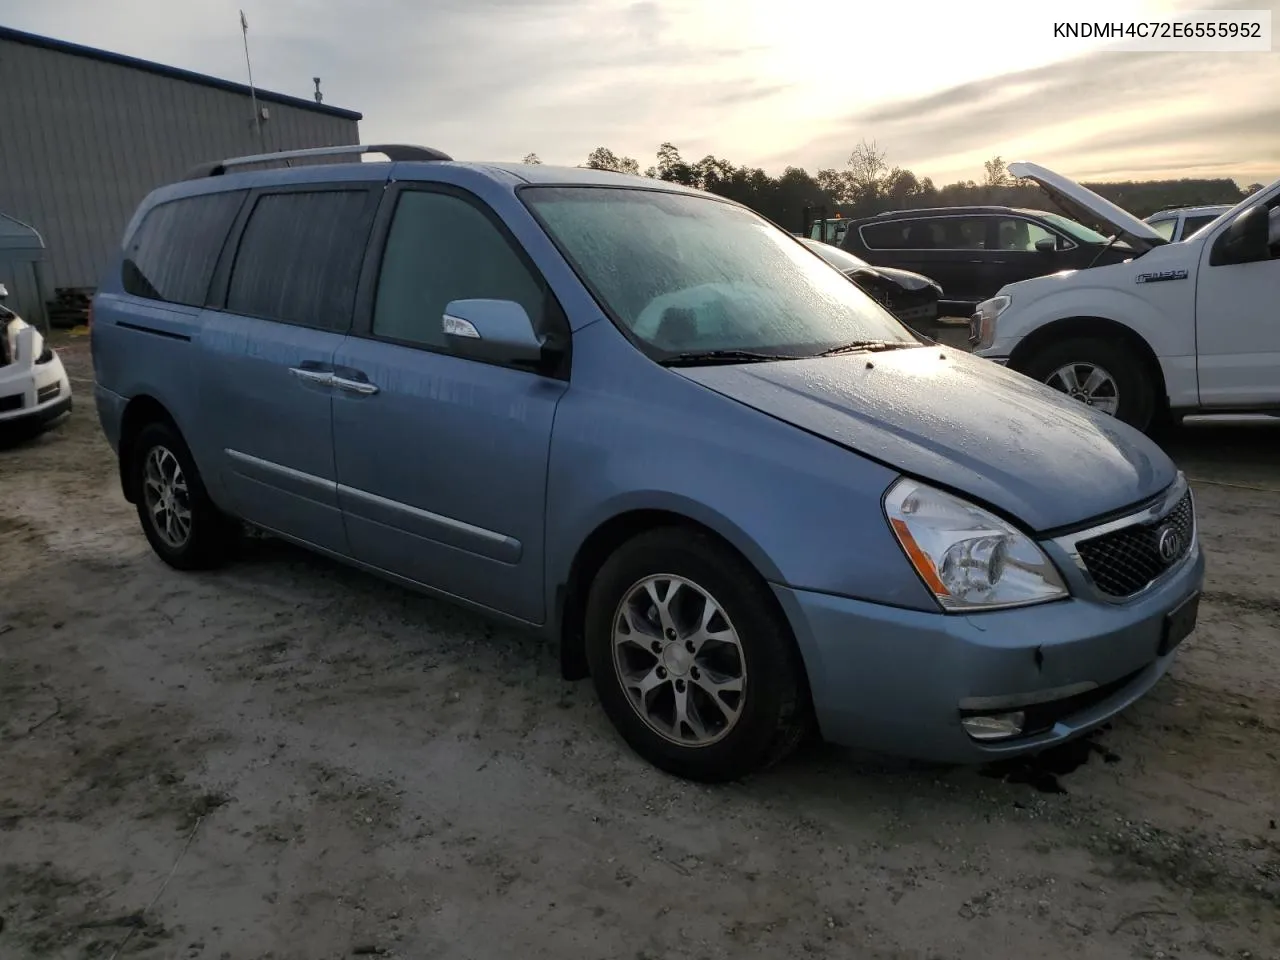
962, 422
1083, 204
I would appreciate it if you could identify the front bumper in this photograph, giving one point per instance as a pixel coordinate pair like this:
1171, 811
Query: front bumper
993, 353
893, 680
33, 393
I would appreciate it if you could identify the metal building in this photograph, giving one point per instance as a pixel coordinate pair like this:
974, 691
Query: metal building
85, 134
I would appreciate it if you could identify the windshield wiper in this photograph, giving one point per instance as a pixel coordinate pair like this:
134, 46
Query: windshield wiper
701, 358
868, 346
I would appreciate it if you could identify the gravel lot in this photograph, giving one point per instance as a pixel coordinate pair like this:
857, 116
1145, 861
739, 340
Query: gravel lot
288, 759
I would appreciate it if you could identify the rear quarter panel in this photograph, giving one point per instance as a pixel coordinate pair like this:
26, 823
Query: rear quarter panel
146, 349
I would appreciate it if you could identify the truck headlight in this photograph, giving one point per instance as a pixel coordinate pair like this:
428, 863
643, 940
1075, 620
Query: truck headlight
982, 332
969, 558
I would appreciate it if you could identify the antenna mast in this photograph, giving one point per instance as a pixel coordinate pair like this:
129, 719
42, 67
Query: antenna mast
253, 94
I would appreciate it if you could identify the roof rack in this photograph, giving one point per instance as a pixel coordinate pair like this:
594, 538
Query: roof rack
392, 151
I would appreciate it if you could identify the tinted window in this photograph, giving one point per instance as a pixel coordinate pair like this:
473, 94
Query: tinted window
442, 248
299, 258
1164, 227
941, 233
172, 254
898, 235
1191, 224
1014, 233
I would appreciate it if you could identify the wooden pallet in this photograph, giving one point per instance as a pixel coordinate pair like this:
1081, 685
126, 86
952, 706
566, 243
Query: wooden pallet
70, 307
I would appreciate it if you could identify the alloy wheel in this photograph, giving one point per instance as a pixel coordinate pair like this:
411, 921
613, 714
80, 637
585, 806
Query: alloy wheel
679, 659
164, 490
1089, 383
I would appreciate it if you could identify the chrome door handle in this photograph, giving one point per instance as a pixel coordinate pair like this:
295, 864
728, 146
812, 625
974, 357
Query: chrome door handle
354, 386
323, 377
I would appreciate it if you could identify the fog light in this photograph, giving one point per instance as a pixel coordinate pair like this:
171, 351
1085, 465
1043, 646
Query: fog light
998, 726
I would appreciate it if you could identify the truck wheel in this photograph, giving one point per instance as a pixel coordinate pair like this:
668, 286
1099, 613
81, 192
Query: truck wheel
181, 523
1109, 377
694, 666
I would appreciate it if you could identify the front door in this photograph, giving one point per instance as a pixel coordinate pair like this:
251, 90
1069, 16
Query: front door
1015, 255
441, 460
266, 357
1238, 326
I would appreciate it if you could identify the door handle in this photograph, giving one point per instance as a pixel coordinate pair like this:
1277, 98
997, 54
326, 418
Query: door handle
323, 377
363, 387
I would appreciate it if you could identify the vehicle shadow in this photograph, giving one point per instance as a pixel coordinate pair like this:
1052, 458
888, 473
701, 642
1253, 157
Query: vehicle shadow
450, 635
20, 435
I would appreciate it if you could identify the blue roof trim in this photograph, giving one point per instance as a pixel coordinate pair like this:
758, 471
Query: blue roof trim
175, 73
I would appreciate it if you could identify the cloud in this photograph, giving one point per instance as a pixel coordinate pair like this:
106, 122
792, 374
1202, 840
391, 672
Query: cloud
745, 79
749, 93
1120, 113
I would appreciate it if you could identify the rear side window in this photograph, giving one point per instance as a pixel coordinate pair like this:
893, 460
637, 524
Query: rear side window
299, 258
172, 254
442, 248
1191, 224
898, 235
941, 233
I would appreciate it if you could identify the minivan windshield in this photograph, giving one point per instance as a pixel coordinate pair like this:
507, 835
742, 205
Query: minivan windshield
688, 275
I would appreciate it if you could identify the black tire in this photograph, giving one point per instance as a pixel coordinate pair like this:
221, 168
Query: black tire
211, 535
774, 710
1136, 388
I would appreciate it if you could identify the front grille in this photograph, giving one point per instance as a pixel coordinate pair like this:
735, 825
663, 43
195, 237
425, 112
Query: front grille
11, 402
45, 394
1124, 561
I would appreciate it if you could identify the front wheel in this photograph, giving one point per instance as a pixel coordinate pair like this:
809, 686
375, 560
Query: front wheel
693, 663
1109, 377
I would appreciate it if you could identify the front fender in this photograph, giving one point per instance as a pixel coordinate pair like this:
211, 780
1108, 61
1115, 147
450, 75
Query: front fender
1163, 316
1160, 314
803, 511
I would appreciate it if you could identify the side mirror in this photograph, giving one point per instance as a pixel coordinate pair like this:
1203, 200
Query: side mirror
1244, 241
4, 291
495, 330
1047, 245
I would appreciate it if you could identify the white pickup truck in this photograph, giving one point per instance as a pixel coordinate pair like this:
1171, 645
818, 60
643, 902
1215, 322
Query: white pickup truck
1182, 328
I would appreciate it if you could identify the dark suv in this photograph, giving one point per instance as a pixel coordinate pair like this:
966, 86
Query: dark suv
974, 251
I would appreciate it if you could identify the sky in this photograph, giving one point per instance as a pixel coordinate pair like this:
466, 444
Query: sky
938, 85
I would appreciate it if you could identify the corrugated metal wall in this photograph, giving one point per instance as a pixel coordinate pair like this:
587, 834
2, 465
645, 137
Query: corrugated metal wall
83, 141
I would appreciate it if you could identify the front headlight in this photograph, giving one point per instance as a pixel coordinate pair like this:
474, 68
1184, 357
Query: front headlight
984, 320
970, 559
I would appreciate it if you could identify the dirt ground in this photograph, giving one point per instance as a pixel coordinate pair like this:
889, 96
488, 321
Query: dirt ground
286, 759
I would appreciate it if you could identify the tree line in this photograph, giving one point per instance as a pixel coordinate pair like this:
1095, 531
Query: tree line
868, 185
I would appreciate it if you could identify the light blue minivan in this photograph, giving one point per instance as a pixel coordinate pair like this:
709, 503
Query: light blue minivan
730, 486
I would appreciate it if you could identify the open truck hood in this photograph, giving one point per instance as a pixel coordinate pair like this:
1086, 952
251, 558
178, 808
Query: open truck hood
1084, 205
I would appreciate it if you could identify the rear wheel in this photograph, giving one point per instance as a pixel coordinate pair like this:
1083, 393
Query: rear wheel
181, 523
1109, 377
693, 663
